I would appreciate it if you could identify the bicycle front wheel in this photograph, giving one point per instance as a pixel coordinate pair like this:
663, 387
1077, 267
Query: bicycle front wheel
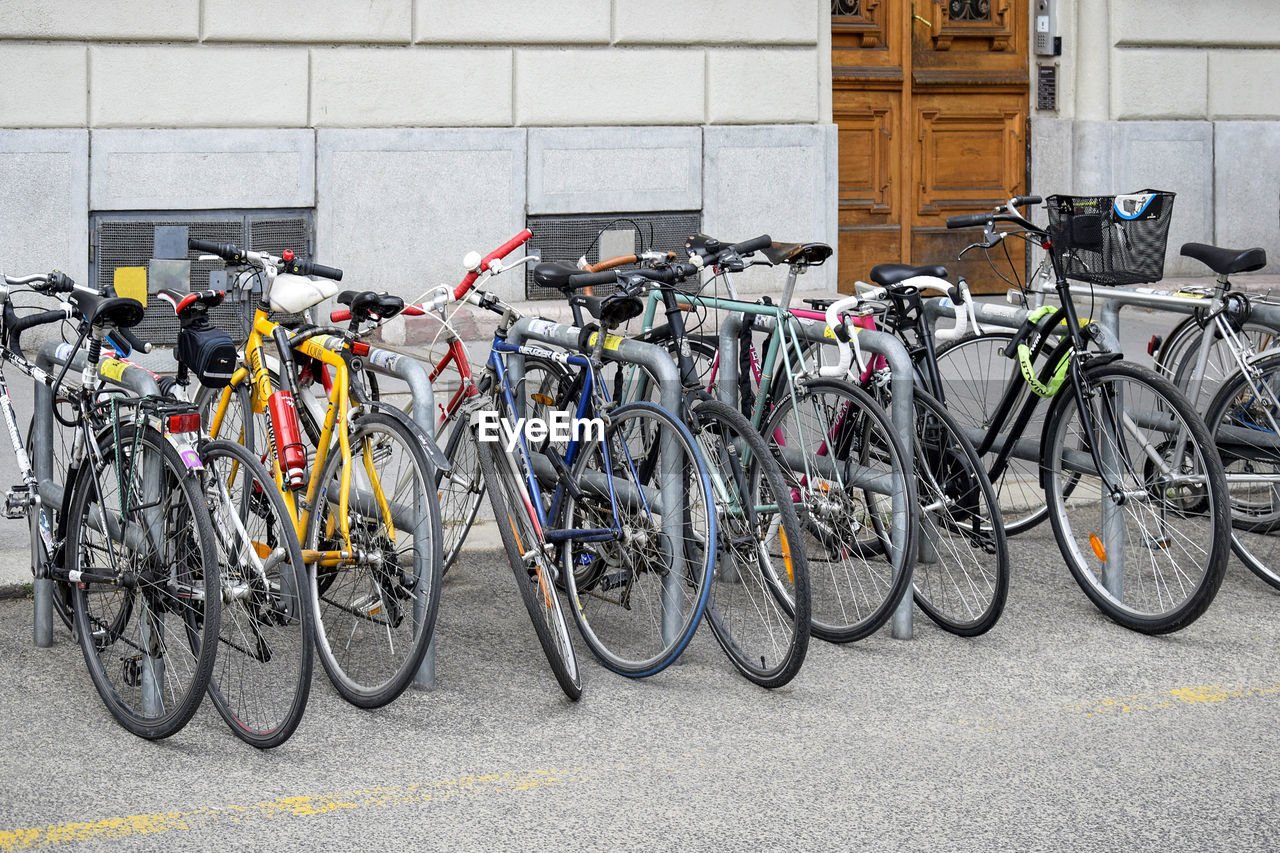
638, 578
961, 574
262, 676
150, 636
376, 607
759, 604
1148, 539
849, 475
1245, 421
534, 572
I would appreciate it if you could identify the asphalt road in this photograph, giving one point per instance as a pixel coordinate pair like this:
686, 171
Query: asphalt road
1058, 730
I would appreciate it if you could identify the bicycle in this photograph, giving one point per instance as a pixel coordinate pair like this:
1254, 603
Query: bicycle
759, 607
131, 535
367, 514
624, 512
1127, 466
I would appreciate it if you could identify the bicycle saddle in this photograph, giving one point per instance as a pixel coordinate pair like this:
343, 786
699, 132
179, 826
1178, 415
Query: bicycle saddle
369, 303
887, 274
1226, 261
820, 303
612, 310
555, 275
183, 301
114, 311
798, 254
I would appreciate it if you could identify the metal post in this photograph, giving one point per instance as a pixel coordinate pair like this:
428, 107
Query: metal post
422, 411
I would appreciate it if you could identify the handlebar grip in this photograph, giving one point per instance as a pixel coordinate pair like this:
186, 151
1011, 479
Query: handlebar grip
506, 248
969, 220
229, 252
59, 282
298, 267
755, 244
341, 315
591, 279
18, 325
1024, 200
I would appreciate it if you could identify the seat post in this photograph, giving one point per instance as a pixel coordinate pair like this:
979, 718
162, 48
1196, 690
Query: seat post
793, 271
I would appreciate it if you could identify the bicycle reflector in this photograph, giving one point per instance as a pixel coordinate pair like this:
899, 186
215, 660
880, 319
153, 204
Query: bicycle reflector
185, 422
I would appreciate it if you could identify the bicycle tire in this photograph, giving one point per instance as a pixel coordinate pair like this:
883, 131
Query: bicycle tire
348, 597
460, 490
974, 373
617, 629
854, 586
169, 571
1243, 423
759, 607
1134, 597
262, 676
536, 582
1220, 364
963, 584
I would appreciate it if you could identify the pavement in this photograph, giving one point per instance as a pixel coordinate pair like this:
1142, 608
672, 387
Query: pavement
1057, 730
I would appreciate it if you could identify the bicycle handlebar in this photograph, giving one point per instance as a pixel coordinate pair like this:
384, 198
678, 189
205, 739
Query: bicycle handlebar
233, 254
15, 326
500, 252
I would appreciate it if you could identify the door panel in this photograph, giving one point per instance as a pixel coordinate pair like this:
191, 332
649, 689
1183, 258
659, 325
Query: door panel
930, 98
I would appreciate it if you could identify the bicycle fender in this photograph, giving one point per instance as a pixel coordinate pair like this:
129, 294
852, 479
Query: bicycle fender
434, 454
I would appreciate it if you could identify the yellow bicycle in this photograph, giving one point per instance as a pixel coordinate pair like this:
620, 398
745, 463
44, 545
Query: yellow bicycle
361, 497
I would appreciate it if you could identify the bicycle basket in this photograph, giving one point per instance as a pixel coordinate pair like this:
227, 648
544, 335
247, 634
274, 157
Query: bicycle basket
1111, 240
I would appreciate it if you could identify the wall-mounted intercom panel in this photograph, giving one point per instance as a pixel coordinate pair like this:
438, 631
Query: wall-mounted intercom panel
1046, 41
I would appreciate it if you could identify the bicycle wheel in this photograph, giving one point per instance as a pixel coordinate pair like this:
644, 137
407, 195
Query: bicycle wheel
375, 613
1245, 420
850, 477
961, 574
530, 563
1220, 362
150, 638
759, 604
460, 489
235, 418
974, 373
1151, 555
262, 676
638, 595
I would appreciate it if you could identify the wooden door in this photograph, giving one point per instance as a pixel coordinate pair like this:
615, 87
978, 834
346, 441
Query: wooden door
930, 98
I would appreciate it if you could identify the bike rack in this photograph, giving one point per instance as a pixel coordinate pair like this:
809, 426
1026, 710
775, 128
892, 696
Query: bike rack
901, 413
656, 360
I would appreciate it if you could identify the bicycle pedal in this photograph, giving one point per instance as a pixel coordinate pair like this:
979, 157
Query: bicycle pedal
17, 501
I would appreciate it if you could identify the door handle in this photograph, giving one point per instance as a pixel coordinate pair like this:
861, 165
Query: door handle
924, 21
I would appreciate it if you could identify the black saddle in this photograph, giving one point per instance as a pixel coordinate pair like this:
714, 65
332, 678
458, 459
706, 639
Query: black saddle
821, 303
117, 311
798, 254
887, 274
183, 303
1226, 261
368, 303
555, 274
612, 310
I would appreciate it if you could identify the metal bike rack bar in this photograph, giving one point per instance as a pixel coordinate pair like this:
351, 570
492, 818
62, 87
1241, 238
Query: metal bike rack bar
901, 414
422, 411
51, 357
656, 360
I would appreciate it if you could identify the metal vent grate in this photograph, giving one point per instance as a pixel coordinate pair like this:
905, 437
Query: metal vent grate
568, 237
128, 240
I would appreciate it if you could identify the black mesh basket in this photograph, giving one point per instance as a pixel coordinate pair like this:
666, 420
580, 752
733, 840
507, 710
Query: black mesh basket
1111, 240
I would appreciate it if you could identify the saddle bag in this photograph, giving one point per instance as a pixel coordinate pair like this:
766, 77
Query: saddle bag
209, 353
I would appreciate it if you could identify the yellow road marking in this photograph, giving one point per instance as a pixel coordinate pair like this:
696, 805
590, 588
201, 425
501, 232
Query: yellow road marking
29, 838
1195, 695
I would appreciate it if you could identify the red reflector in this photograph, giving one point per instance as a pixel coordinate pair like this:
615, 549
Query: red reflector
359, 348
189, 422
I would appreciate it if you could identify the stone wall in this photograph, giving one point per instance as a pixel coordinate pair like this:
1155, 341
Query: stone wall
417, 129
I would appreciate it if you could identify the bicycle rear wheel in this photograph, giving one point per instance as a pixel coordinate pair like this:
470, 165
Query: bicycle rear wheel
149, 639
849, 475
533, 569
961, 574
974, 373
375, 613
1151, 554
1245, 421
638, 594
262, 677
759, 604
